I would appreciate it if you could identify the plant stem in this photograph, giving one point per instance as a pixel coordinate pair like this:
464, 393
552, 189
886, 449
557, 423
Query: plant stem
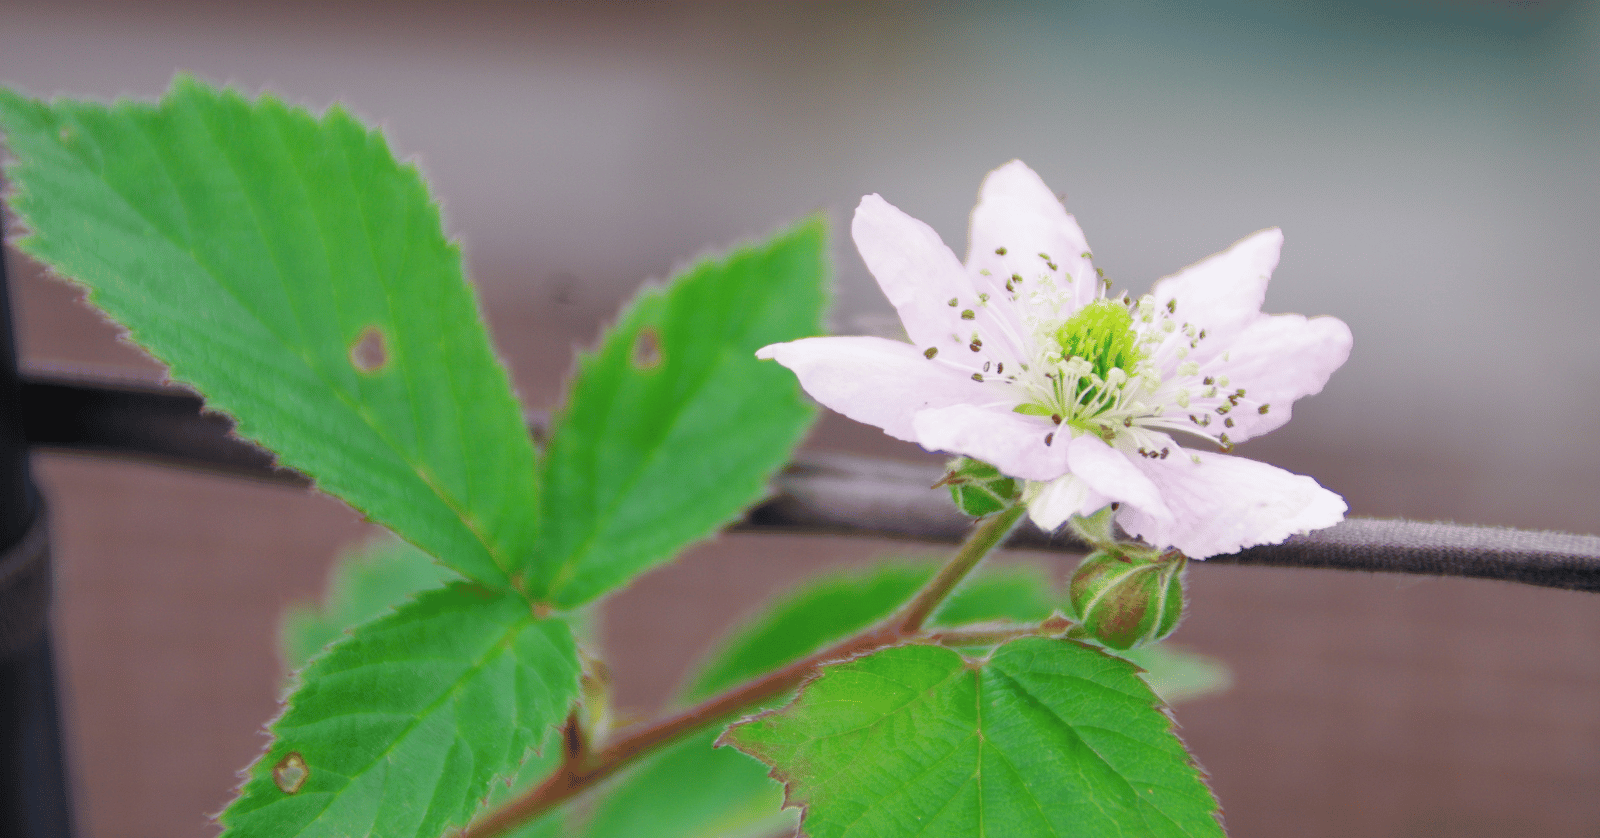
582, 768
984, 537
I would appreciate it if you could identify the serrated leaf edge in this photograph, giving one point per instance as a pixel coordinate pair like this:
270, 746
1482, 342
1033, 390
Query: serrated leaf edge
790, 801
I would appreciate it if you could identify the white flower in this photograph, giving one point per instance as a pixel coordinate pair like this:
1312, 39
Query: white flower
1021, 360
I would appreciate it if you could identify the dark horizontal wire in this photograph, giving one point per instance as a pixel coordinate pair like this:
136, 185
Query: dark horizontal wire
818, 493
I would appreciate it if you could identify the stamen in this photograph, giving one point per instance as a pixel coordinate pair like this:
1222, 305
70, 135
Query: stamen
977, 376
930, 352
1000, 251
969, 314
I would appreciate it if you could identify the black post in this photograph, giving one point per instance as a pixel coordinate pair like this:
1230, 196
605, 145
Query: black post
33, 786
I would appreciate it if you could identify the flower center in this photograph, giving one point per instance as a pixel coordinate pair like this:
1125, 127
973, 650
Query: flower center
1102, 334
1087, 364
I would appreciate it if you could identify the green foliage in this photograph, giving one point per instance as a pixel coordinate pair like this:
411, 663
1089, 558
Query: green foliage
1177, 674
294, 273
693, 790
552, 824
400, 730
831, 607
363, 584
1042, 737
672, 427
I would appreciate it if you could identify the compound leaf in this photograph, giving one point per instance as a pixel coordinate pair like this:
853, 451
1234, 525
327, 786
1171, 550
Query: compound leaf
294, 273
1042, 737
694, 791
364, 583
400, 730
673, 427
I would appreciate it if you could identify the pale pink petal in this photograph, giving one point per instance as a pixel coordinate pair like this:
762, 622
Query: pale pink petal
1276, 360
875, 380
1051, 504
1110, 472
1009, 441
1223, 504
916, 271
1017, 212
1223, 292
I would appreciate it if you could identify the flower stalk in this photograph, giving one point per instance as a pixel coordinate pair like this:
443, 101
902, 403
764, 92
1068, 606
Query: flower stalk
583, 766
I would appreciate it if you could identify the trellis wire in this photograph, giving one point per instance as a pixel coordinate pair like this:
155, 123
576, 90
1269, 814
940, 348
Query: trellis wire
817, 493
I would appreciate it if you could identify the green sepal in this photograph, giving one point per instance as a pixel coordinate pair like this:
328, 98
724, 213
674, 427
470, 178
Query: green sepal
979, 488
1125, 598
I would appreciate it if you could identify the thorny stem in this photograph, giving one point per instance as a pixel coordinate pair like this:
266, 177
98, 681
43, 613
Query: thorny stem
582, 768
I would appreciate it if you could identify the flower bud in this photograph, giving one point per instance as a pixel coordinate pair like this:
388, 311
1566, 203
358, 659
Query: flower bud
978, 488
1127, 598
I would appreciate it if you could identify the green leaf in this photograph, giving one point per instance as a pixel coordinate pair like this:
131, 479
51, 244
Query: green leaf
831, 607
1041, 738
673, 427
1177, 674
297, 276
363, 584
693, 790
400, 730
552, 824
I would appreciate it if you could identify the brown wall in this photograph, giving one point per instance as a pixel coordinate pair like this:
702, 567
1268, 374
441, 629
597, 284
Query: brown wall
1364, 705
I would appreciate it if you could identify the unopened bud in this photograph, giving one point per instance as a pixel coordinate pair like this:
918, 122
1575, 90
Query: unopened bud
1127, 598
978, 488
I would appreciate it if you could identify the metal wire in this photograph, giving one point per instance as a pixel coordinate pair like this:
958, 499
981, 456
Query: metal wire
818, 493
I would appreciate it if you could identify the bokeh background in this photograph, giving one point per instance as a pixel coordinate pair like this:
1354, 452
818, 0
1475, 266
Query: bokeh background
1435, 167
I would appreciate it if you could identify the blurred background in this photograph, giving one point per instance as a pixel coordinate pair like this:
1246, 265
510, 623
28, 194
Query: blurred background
1435, 167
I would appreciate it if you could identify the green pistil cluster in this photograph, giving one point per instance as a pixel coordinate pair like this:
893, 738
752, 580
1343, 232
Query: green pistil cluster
1096, 353
1102, 334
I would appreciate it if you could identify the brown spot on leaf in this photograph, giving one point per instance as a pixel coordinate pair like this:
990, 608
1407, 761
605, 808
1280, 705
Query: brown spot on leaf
647, 349
369, 354
290, 773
